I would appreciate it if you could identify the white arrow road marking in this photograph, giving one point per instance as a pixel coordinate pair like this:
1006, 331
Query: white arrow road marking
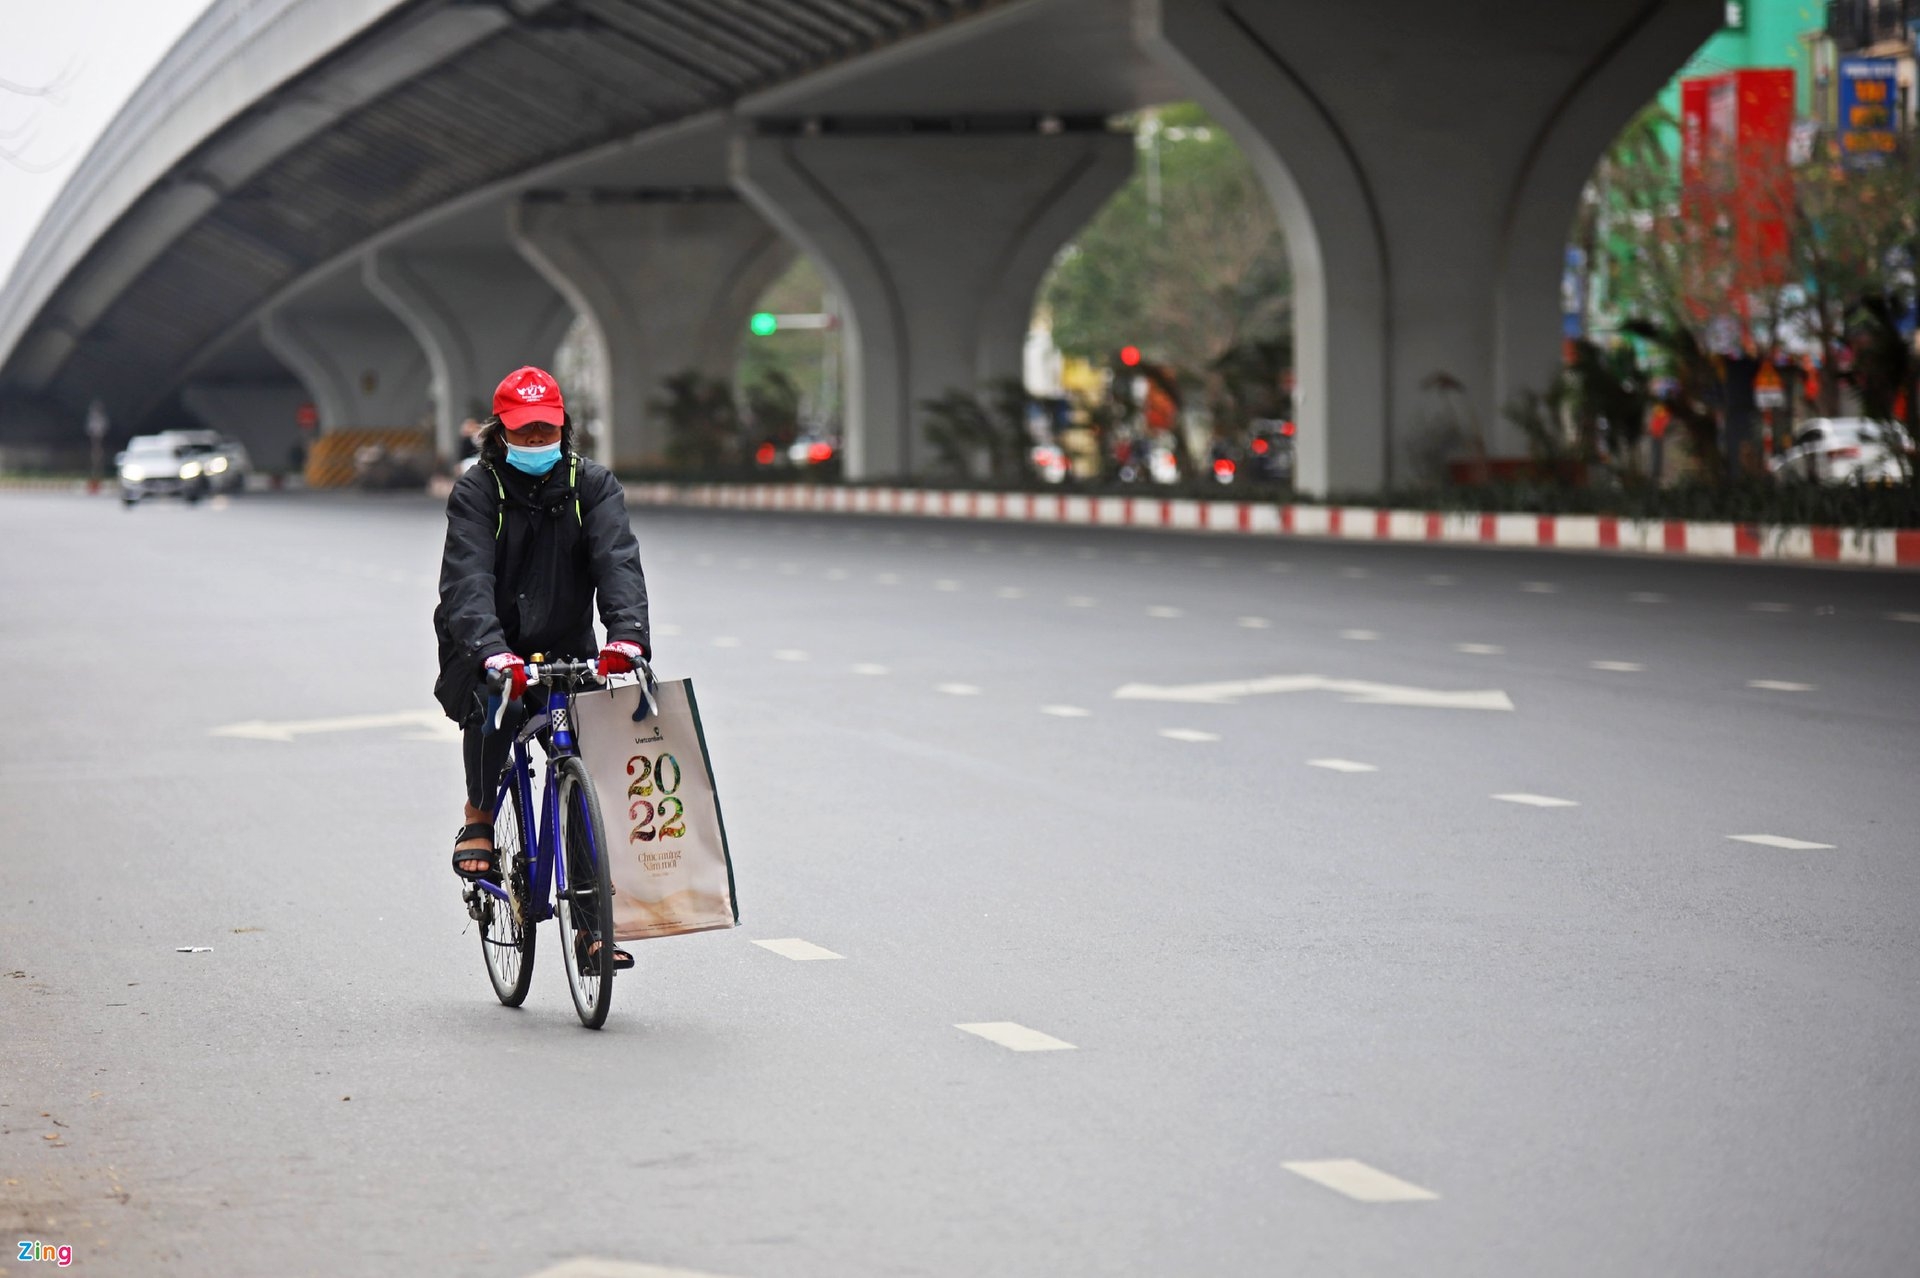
1357, 691
1357, 1180
259, 730
1780, 841
1016, 1038
799, 951
1537, 800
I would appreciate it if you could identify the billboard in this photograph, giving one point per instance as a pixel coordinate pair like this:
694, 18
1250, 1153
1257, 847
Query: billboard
1735, 133
1867, 131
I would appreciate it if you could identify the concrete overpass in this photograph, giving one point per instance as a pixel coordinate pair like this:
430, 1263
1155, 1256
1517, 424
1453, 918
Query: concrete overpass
380, 205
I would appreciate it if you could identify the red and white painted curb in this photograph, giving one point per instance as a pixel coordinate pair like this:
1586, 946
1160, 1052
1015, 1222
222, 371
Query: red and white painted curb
1874, 547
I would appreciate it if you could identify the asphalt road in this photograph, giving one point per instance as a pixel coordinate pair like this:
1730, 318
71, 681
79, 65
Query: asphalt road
1595, 1038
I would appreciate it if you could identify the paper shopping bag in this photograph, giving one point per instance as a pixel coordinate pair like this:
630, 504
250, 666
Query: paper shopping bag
672, 872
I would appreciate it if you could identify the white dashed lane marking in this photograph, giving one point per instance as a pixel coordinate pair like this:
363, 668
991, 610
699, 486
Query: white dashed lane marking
1254, 623
1081, 601
1341, 765
958, 689
1537, 800
1355, 574
1912, 618
1647, 597
1779, 685
838, 574
1360, 636
1016, 1038
1065, 712
1769, 607
1188, 734
789, 654
1479, 649
946, 583
1781, 841
888, 579
1010, 592
1620, 667
1441, 579
726, 641
869, 668
667, 629
1360, 1182
1164, 612
593, 1267
1539, 587
794, 948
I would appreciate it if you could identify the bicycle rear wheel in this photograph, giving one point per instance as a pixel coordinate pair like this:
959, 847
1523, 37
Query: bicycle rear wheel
586, 906
506, 927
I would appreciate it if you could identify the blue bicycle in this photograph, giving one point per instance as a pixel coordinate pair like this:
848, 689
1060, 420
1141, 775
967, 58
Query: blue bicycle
563, 852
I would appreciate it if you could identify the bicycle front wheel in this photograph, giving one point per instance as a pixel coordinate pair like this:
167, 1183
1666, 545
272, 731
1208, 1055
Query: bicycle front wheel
585, 905
506, 927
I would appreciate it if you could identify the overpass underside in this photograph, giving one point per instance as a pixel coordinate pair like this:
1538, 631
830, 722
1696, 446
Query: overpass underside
382, 207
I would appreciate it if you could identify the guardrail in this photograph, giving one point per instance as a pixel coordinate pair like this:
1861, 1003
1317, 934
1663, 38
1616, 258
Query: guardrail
1874, 547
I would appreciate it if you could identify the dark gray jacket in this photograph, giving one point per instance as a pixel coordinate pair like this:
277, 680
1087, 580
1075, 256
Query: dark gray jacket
525, 557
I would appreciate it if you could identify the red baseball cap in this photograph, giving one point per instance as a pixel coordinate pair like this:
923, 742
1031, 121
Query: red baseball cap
529, 395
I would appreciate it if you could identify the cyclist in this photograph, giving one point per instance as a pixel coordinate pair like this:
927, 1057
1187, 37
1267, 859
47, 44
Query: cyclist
534, 532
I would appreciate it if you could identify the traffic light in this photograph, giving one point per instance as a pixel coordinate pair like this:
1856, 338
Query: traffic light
763, 324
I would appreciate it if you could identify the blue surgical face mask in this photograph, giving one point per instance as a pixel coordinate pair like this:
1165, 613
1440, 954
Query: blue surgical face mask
533, 461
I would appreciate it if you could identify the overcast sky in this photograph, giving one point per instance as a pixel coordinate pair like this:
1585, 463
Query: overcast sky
65, 67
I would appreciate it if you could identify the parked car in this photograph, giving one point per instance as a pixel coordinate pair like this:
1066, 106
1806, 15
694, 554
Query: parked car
162, 466
1847, 450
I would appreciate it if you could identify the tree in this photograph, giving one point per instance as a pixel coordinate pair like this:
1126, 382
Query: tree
1186, 261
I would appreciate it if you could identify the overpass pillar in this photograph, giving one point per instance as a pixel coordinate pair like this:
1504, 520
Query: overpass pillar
936, 243
478, 314
1427, 184
360, 365
667, 282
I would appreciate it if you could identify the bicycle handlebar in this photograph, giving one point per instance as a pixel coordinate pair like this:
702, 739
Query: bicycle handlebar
562, 673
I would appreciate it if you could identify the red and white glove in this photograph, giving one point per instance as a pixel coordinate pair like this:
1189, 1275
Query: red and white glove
511, 666
620, 657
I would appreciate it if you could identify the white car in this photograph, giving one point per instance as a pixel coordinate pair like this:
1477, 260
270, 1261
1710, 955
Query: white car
1847, 450
160, 465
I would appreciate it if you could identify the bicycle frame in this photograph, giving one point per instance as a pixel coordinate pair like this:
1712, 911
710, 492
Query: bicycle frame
548, 869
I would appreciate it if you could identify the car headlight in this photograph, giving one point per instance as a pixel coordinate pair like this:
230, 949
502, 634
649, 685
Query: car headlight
190, 471
216, 466
132, 474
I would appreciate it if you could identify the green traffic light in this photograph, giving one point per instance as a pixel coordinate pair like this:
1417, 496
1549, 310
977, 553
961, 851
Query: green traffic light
763, 324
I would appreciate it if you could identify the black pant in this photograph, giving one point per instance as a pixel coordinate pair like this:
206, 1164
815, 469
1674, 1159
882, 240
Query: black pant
485, 754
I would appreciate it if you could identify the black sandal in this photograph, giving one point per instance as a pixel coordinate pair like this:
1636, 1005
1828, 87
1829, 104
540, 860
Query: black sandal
589, 962
491, 871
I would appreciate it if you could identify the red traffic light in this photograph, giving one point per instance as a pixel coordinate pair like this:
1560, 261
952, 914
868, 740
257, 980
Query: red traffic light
1286, 428
1130, 356
764, 454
